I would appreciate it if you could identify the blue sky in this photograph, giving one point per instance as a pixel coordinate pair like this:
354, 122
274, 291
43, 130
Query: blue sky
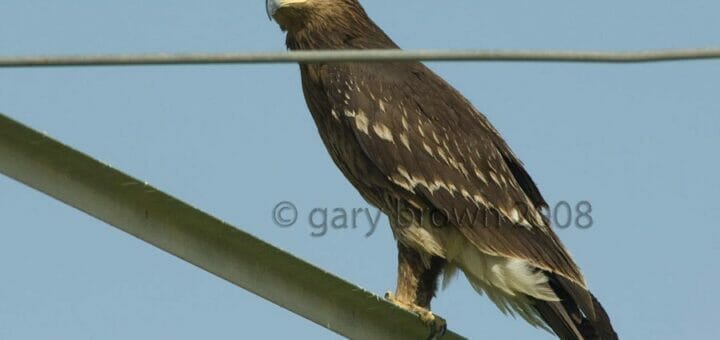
637, 141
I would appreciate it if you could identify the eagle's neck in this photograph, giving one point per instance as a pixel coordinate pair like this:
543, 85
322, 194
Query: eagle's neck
330, 32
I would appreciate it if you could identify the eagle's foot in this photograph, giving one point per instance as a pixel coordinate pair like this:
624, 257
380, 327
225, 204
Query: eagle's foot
437, 325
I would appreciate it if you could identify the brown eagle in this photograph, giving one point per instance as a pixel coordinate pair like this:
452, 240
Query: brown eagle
456, 195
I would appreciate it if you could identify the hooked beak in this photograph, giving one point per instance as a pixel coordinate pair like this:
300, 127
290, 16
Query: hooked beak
272, 6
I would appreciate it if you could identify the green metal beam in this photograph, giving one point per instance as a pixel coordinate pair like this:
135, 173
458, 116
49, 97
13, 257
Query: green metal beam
99, 190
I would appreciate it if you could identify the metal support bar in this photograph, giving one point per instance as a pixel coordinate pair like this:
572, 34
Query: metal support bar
196, 237
362, 56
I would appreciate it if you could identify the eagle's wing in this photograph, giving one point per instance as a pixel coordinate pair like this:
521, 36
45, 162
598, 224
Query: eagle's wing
429, 140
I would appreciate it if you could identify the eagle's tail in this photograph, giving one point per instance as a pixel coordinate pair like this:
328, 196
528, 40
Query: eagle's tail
577, 316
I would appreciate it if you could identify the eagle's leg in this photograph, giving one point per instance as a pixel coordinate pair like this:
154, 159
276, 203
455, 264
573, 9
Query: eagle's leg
416, 285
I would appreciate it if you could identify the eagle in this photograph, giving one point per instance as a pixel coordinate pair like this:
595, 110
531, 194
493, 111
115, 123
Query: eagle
457, 197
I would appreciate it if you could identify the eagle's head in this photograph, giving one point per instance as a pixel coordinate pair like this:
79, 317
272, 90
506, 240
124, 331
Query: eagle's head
293, 15
327, 24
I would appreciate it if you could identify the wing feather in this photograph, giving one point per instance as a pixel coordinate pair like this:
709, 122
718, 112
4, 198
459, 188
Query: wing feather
430, 141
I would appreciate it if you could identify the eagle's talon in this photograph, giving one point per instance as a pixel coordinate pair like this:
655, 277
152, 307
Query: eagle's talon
426, 316
437, 325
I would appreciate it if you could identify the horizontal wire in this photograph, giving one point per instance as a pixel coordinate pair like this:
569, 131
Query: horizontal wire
330, 56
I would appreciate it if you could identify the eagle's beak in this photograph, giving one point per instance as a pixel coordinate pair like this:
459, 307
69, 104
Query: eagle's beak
272, 6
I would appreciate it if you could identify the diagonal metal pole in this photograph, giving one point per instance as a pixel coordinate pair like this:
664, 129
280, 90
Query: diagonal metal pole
361, 56
97, 189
